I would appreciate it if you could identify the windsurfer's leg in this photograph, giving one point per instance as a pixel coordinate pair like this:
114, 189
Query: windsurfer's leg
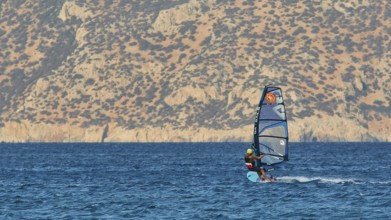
264, 174
260, 177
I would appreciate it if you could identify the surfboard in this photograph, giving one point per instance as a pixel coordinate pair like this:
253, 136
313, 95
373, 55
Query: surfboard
253, 177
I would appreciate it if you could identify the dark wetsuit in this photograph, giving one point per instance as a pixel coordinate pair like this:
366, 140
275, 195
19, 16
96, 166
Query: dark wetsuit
250, 164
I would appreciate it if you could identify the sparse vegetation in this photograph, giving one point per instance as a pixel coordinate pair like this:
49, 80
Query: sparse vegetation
110, 64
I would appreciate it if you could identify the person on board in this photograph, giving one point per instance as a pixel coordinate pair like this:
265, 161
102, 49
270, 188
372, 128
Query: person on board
250, 164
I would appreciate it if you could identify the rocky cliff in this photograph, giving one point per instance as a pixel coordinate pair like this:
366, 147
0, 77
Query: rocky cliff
192, 70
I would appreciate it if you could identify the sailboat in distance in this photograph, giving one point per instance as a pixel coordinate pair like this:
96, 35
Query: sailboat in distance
270, 131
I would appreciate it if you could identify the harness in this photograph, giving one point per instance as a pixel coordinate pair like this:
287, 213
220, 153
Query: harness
249, 162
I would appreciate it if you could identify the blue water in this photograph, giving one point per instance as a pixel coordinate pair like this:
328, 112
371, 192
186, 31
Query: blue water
192, 181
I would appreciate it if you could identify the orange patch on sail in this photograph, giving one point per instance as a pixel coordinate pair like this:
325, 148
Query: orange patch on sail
270, 98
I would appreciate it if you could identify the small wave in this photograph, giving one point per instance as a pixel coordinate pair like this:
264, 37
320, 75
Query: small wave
303, 179
385, 182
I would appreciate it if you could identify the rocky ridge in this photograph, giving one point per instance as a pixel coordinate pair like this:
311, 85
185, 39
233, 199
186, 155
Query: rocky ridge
159, 70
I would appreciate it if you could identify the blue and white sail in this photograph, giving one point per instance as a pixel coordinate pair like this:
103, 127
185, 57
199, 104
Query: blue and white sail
271, 128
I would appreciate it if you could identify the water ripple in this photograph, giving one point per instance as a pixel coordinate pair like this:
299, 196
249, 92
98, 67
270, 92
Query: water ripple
193, 181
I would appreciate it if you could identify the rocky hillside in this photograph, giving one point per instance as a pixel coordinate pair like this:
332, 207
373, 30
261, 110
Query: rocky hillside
192, 70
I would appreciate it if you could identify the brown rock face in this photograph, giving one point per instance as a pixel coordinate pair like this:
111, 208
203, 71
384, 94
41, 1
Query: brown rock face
170, 70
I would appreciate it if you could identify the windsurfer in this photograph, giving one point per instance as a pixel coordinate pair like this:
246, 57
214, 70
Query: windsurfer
250, 163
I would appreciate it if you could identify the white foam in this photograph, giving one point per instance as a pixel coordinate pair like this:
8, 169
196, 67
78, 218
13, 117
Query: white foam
320, 179
386, 182
304, 179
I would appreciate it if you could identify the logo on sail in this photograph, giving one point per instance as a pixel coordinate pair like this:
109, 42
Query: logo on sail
270, 98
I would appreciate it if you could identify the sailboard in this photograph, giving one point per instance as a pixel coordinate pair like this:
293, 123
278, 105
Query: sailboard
270, 130
253, 177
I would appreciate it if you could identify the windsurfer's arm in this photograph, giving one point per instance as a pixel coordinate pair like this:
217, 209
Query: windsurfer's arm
258, 157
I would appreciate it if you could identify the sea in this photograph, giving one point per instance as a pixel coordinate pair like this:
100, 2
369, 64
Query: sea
192, 181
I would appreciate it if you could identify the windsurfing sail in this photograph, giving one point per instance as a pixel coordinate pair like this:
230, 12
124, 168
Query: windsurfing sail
271, 128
